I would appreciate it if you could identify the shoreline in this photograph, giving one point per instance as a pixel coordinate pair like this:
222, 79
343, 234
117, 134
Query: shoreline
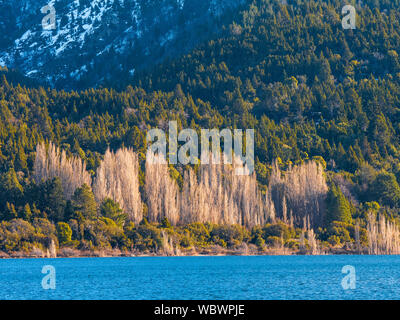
205, 253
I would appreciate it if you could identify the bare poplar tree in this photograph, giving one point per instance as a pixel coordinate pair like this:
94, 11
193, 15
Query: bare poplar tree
357, 236
220, 196
162, 192
312, 241
118, 178
52, 162
302, 190
383, 235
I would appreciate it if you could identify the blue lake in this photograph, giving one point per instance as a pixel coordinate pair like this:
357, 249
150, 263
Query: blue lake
237, 277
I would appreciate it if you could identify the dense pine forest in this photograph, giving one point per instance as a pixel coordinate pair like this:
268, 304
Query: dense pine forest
324, 104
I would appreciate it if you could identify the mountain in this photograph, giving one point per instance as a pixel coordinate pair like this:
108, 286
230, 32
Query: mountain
103, 40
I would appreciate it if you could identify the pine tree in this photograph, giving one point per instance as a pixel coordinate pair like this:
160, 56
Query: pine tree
83, 202
52, 199
338, 207
385, 189
110, 209
10, 188
27, 213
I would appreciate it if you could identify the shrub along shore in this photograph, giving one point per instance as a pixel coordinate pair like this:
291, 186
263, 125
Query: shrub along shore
104, 238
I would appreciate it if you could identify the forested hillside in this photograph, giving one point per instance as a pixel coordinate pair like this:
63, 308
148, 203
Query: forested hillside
324, 104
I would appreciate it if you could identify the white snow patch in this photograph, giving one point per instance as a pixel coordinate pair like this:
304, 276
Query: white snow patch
31, 72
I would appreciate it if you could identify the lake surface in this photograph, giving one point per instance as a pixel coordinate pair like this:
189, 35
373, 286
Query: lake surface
237, 277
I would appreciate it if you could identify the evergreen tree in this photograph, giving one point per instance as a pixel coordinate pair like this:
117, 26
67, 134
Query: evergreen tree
10, 188
385, 189
338, 207
27, 213
111, 209
52, 199
83, 201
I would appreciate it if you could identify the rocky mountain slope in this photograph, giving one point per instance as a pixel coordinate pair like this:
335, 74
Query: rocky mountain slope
100, 41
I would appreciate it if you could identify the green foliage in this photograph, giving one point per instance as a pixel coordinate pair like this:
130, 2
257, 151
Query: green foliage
84, 203
165, 223
27, 213
145, 237
10, 188
338, 207
340, 233
228, 236
64, 233
385, 189
110, 209
20, 235
52, 199
198, 233
279, 230
259, 242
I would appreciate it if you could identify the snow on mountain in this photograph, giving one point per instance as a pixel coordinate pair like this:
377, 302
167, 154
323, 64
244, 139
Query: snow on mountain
94, 40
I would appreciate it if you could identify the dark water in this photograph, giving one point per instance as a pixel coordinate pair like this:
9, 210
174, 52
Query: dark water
266, 277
